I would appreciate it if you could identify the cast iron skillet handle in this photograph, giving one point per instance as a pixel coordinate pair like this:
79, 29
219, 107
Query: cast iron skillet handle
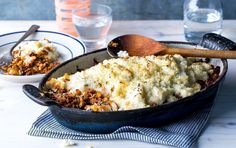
217, 42
37, 96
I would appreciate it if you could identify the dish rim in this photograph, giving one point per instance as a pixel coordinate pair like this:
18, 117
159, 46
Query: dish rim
158, 107
47, 31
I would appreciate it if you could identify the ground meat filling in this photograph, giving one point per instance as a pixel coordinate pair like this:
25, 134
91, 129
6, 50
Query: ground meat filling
88, 100
39, 65
212, 78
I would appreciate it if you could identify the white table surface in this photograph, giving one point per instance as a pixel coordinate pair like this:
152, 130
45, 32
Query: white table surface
17, 112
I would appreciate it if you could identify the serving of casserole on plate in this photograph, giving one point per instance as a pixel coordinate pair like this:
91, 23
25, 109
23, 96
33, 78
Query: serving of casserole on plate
37, 55
32, 57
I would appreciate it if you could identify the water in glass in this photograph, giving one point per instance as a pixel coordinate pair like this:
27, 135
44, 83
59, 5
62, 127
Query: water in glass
93, 28
199, 21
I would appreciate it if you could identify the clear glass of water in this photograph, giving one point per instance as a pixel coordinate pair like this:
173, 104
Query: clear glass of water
93, 25
201, 17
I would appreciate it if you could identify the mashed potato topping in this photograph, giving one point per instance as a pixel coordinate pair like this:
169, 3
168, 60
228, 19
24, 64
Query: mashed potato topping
139, 82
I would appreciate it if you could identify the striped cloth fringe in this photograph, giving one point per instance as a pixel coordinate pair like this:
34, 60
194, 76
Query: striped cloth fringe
183, 133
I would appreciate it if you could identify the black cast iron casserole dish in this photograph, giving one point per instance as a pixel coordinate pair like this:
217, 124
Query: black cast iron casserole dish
104, 122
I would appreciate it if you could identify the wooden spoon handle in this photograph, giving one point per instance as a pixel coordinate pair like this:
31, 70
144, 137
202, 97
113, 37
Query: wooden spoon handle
201, 53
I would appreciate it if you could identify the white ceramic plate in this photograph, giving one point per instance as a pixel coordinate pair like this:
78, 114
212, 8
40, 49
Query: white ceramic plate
67, 46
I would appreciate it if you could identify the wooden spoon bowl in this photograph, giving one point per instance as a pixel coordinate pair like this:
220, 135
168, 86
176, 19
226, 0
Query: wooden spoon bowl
138, 45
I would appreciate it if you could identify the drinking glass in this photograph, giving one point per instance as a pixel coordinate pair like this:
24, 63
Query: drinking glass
64, 9
201, 17
93, 25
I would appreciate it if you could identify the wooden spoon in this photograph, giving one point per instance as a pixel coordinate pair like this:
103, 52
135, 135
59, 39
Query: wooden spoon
137, 45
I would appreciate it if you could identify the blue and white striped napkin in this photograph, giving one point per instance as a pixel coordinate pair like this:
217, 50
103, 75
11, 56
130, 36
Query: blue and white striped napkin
183, 133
